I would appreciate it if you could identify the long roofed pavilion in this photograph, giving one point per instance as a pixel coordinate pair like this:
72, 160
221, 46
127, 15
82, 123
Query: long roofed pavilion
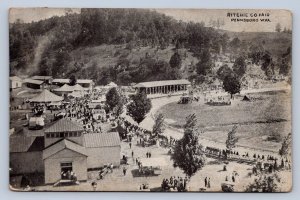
161, 88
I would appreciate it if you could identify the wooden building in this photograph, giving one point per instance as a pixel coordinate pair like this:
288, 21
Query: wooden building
26, 154
162, 88
15, 82
68, 148
63, 156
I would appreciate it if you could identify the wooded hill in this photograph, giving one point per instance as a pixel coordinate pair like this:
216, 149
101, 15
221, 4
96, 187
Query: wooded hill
128, 45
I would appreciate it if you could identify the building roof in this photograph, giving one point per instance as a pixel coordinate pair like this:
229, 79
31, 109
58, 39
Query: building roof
37, 82
84, 81
41, 77
64, 88
15, 78
66, 80
96, 140
61, 145
162, 83
64, 125
19, 144
46, 96
61, 80
69, 88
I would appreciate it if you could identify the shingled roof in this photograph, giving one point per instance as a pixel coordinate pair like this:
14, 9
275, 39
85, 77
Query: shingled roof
94, 140
64, 125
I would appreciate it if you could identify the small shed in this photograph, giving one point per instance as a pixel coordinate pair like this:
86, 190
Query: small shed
15, 82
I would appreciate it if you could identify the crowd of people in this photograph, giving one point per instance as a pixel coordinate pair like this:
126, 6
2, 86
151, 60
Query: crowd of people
175, 183
69, 175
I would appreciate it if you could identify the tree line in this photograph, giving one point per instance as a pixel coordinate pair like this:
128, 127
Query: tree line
45, 47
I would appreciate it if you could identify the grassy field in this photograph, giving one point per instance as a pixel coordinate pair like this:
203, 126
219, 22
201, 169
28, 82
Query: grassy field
262, 122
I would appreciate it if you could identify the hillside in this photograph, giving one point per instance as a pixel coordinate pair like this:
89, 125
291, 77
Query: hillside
134, 45
276, 43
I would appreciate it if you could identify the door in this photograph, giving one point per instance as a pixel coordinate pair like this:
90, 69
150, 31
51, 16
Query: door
66, 169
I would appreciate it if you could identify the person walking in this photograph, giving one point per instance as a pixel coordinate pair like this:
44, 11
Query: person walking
124, 171
94, 185
130, 145
208, 183
132, 154
205, 182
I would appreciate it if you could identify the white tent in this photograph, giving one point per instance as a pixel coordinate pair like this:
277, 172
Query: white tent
46, 97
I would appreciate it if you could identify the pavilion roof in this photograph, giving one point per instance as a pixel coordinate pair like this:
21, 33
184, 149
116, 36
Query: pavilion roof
32, 81
41, 77
46, 96
162, 83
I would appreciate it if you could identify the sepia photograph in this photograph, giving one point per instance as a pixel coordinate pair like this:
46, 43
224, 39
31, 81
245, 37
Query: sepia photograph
150, 100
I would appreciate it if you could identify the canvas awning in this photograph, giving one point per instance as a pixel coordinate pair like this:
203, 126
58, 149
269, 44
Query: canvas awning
46, 96
68, 88
76, 94
64, 88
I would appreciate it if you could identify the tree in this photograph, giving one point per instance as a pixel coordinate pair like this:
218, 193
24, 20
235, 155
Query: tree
188, 153
278, 27
265, 183
231, 84
118, 109
235, 44
175, 60
239, 66
139, 106
231, 138
159, 126
112, 98
286, 146
204, 66
72, 80
223, 72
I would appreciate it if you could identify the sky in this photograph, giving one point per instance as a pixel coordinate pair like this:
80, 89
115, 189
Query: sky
284, 17
27, 15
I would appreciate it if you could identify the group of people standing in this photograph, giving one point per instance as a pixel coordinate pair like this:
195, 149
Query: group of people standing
179, 184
